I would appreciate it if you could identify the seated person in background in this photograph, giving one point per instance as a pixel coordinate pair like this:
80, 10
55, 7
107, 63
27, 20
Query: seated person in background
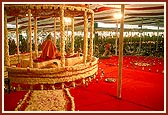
49, 50
107, 49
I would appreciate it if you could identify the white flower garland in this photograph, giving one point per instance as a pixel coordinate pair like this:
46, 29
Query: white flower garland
22, 101
71, 98
141, 64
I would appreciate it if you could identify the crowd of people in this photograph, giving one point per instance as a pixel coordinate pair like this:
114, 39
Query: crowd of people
102, 47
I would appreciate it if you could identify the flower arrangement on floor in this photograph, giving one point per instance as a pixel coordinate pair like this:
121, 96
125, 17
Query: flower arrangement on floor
141, 64
47, 100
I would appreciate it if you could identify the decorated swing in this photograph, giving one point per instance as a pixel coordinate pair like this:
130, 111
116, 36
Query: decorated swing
65, 69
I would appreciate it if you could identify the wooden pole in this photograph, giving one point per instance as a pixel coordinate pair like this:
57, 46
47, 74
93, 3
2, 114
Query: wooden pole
85, 49
116, 37
72, 36
30, 35
62, 47
6, 46
55, 31
17, 39
120, 53
35, 37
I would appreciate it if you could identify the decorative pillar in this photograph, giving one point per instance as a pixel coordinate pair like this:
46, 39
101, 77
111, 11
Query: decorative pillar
91, 36
17, 39
62, 47
72, 36
55, 31
35, 37
29, 35
85, 49
119, 85
6, 46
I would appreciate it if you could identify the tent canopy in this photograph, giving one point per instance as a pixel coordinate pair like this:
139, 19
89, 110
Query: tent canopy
135, 14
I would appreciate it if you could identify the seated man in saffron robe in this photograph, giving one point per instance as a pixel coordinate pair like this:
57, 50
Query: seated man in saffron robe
49, 50
107, 49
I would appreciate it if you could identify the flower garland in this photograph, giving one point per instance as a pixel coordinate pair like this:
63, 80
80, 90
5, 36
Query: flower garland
142, 64
79, 67
21, 102
52, 80
71, 98
52, 75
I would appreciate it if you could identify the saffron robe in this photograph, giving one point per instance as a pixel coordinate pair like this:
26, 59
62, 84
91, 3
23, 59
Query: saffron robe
48, 50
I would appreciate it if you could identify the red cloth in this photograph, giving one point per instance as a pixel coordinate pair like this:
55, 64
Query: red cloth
48, 50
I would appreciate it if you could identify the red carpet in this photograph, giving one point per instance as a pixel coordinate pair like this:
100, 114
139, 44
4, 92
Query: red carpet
141, 90
11, 100
142, 87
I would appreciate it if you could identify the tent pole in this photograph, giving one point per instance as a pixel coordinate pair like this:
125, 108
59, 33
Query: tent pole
17, 39
120, 53
116, 38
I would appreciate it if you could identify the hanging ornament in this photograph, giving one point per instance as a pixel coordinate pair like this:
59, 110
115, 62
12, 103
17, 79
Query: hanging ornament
73, 84
157, 71
42, 87
62, 85
90, 79
83, 81
94, 76
87, 83
143, 68
53, 87
149, 69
